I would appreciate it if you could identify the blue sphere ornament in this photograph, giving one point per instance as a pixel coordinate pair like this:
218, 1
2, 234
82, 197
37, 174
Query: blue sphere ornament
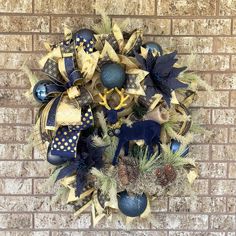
40, 91
112, 75
55, 159
132, 206
175, 145
152, 45
86, 34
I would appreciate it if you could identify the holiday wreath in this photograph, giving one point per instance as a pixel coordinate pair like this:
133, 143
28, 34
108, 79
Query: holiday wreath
106, 90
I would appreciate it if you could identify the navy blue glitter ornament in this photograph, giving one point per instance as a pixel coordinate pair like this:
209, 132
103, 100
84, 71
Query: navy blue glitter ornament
40, 91
86, 34
152, 45
175, 145
132, 206
55, 159
112, 75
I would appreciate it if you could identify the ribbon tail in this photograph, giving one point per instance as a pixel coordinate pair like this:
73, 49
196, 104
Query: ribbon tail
66, 138
51, 118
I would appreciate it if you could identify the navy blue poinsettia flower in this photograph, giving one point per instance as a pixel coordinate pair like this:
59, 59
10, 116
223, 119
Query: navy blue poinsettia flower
162, 74
88, 156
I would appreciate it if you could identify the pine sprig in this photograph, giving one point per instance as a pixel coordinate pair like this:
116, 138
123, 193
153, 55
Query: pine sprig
197, 129
172, 133
106, 182
102, 122
105, 26
98, 141
195, 81
147, 164
52, 178
169, 157
61, 195
111, 149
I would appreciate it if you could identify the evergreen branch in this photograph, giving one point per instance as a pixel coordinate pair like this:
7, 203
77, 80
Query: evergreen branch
146, 163
102, 122
105, 182
105, 26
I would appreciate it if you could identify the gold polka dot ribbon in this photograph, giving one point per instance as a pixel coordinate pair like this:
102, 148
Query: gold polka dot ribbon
66, 138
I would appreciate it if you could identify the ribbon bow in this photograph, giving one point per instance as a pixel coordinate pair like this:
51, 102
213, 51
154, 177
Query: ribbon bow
61, 66
72, 76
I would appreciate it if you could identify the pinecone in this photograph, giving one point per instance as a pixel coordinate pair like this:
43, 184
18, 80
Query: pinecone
127, 171
133, 172
161, 177
122, 172
170, 172
166, 174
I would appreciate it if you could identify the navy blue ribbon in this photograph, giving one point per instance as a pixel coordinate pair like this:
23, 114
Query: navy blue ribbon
73, 76
65, 141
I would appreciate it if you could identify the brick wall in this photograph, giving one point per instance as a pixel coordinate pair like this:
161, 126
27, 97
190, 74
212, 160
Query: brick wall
203, 27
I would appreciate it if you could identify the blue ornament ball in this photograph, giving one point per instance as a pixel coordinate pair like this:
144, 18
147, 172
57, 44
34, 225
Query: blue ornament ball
40, 91
175, 145
55, 159
112, 75
86, 34
152, 45
132, 206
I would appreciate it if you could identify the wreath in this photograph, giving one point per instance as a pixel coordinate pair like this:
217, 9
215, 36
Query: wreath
114, 121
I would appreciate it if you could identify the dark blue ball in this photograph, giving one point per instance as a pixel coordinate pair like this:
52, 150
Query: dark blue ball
40, 91
175, 145
55, 159
86, 34
112, 75
132, 206
152, 45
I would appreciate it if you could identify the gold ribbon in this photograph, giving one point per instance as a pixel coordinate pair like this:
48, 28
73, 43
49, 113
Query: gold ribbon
73, 92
